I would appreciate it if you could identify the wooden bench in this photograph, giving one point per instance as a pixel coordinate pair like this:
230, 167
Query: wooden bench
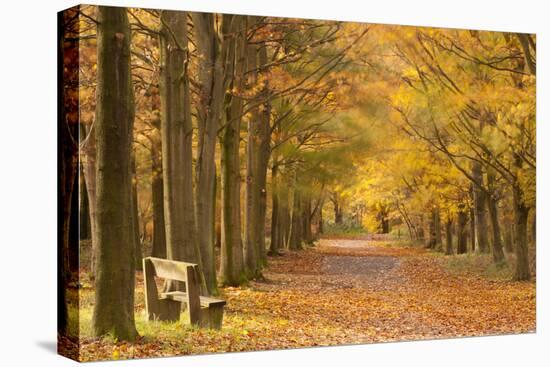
184, 291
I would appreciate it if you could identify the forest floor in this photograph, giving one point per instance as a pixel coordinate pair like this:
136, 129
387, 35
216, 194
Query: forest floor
342, 291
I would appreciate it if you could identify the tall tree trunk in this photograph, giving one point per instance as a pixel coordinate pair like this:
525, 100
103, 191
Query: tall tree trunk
338, 216
74, 224
84, 208
432, 231
472, 232
498, 253
232, 265
461, 231
252, 193
420, 230
176, 142
88, 156
284, 216
449, 237
264, 153
306, 219
521, 213
438, 240
480, 201
258, 153
114, 297
275, 244
157, 195
509, 238
213, 50
296, 235
320, 229
135, 217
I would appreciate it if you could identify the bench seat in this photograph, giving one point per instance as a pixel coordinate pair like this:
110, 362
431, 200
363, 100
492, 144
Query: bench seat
182, 297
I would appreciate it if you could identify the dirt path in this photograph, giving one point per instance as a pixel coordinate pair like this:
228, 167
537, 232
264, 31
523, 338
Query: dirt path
341, 292
357, 291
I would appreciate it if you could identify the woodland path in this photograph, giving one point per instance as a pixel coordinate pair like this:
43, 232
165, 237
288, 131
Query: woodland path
360, 291
340, 292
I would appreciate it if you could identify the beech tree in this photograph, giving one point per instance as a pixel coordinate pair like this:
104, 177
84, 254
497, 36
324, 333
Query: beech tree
114, 296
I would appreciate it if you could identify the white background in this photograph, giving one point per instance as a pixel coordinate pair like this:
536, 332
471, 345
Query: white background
28, 182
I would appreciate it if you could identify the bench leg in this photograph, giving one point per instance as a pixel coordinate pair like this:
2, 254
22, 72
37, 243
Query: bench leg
211, 317
169, 310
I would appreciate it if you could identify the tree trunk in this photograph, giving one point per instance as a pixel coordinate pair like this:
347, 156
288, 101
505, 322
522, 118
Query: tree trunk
320, 229
498, 253
472, 233
232, 267
461, 232
84, 208
509, 238
284, 216
74, 224
306, 220
480, 201
89, 167
338, 215
213, 50
296, 234
258, 152
420, 230
431, 244
275, 244
135, 217
264, 152
114, 296
521, 213
449, 237
438, 240
157, 195
176, 143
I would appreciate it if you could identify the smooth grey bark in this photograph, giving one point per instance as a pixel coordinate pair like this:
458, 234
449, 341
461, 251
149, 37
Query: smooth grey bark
438, 240
74, 224
320, 224
306, 220
521, 213
88, 157
480, 218
472, 232
509, 238
113, 311
176, 142
338, 215
258, 153
157, 194
232, 264
497, 251
431, 243
212, 48
138, 255
296, 235
276, 242
461, 231
84, 208
449, 237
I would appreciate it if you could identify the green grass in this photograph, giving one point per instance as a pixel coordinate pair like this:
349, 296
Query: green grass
481, 265
343, 230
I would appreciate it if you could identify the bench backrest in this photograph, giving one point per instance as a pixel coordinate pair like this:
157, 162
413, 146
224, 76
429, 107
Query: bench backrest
172, 270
